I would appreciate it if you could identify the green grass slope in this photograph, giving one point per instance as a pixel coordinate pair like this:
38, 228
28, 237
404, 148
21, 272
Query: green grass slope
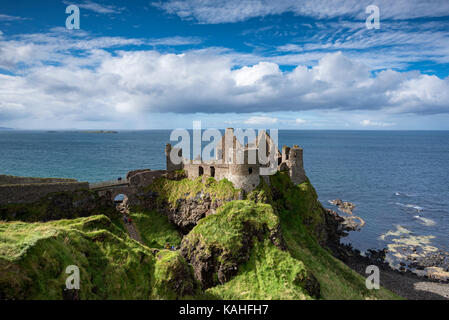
155, 229
264, 247
301, 222
34, 257
172, 190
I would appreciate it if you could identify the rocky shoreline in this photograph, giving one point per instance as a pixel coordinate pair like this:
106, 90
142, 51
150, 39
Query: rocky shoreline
419, 276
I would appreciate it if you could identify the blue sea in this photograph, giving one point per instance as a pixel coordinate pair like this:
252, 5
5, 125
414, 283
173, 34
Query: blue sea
395, 178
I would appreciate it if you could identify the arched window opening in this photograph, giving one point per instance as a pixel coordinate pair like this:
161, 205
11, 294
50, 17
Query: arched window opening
212, 171
119, 198
200, 171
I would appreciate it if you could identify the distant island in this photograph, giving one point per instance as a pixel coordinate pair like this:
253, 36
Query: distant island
98, 131
5, 128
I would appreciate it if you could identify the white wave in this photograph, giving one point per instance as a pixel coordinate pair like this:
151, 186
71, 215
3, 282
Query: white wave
397, 193
425, 221
410, 206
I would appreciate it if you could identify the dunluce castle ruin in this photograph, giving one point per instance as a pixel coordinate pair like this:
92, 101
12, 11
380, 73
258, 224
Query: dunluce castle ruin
233, 161
237, 163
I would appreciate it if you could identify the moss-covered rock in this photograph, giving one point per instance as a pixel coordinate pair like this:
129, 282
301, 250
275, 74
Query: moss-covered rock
173, 277
223, 242
34, 257
187, 201
269, 273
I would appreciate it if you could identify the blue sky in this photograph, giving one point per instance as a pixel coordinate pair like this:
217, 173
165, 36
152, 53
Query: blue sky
275, 64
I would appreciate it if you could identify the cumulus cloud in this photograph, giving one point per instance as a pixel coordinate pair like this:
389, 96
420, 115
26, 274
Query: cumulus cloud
219, 11
370, 123
100, 84
259, 120
300, 121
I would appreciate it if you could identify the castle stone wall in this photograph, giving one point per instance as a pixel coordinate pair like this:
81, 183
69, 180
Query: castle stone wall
145, 178
28, 193
6, 179
246, 182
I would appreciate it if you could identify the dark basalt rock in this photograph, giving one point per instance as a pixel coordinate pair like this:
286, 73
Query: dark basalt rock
213, 266
70, 294
187, 212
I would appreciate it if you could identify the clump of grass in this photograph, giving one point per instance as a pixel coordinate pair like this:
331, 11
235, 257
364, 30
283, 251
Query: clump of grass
173, 277
155, 229
172, 190
269, 274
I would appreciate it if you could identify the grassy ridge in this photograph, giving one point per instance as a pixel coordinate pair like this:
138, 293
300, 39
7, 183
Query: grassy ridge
34, 257
172, 190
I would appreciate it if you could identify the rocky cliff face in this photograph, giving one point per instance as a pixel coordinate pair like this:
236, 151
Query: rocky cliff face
188, 201
187, 212
221, 244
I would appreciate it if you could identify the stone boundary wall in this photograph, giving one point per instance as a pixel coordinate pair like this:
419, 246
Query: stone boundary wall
28, 193
144, 178
7, 179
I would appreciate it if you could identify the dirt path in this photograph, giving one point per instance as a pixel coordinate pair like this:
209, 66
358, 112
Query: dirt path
133, 233
130, 227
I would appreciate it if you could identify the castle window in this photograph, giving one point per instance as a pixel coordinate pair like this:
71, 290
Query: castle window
200, 171
212, 171
250, 170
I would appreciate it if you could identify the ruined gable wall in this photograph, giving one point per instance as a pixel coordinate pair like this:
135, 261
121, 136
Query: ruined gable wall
296, 165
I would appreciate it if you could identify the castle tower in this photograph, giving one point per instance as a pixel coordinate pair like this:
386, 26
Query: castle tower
285, 153
172, 164
296, 165
229, 146
245, 174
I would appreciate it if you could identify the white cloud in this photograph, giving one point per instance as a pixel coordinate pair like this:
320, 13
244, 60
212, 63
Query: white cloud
369, 123
5, 17
300, 121
96, 7
397, 44
218, 11
248, 76
259, 120
98, 84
